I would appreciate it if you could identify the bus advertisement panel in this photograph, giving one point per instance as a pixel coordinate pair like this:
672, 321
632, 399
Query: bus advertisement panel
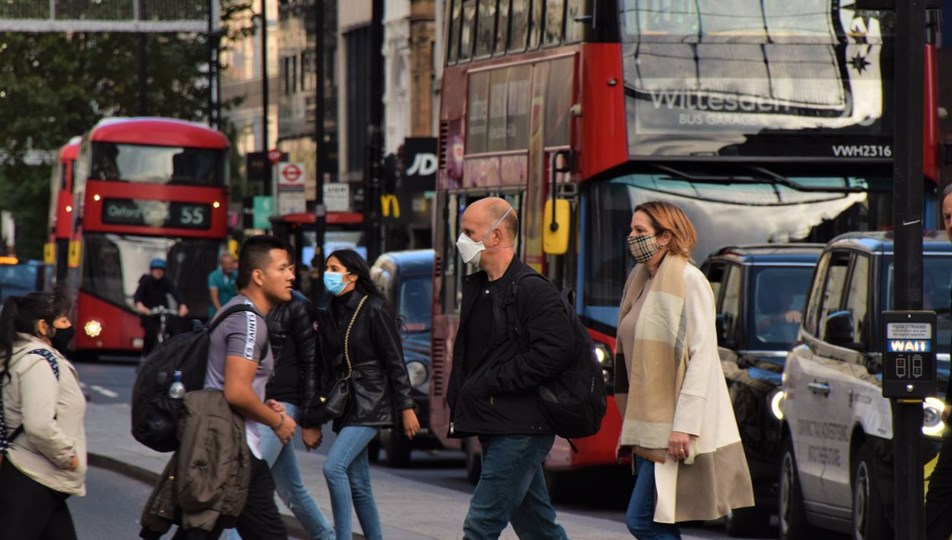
145, 188
765, 121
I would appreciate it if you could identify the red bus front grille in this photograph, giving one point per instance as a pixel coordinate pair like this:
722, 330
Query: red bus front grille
437, 361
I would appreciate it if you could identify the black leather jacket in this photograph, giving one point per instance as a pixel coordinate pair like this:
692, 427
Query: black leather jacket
497, 394
380, 384
293, 337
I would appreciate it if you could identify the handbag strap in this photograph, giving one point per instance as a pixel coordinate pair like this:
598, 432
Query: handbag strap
350, 326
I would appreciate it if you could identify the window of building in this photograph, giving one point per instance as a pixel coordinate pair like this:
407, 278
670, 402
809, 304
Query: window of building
357, 44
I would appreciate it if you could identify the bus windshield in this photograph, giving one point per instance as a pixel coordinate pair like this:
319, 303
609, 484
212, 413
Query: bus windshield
113, 274
738, 212
158, 164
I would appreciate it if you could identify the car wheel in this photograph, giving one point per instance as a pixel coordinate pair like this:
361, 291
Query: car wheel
747, 522
793, 518
869, 518
397, 447
474, 460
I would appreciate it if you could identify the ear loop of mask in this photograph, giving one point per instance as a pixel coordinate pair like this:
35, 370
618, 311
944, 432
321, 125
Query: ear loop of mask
493, 228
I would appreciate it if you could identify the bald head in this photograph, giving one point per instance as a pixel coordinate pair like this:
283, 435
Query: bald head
491, 213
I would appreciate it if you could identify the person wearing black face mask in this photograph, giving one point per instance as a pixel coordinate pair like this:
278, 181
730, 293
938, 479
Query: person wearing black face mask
43, 456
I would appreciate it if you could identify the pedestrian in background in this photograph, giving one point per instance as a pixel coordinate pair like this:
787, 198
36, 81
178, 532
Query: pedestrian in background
153, 292
493, 388
42, 416
359, 316
677, 419
221, 284
939, 496
292, 331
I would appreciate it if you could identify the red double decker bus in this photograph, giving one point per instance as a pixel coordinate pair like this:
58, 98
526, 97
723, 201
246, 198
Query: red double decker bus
766, 121
61, 208
144, 188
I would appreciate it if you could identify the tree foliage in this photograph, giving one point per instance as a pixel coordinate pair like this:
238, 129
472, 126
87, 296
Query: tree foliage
55, 86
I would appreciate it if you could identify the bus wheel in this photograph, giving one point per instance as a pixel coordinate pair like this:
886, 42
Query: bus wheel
474, 460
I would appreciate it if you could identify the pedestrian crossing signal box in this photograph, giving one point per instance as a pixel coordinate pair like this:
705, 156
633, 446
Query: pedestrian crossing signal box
909, 342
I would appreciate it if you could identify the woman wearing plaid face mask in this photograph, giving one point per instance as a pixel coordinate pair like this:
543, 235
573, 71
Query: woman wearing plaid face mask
678, 423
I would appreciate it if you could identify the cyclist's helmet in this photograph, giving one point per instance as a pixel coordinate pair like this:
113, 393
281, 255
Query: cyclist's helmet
157, 263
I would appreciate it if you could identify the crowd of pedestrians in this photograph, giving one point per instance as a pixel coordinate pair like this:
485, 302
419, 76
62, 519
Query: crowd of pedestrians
294, 362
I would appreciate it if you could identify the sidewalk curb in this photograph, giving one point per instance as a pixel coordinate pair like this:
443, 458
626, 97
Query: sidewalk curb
148, 477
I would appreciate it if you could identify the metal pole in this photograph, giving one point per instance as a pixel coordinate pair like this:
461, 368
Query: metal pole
375, 146
907, 218
265, 97
212, 69
319, 133
143, 75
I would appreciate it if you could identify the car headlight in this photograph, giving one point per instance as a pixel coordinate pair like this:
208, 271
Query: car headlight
92, 328
775, 400
932, 424
417, 372
604, 357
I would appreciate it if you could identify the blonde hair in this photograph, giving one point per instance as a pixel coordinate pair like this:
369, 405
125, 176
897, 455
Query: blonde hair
666, 216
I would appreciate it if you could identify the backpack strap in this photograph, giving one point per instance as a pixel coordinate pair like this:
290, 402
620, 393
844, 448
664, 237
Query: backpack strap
5, 440
237, 308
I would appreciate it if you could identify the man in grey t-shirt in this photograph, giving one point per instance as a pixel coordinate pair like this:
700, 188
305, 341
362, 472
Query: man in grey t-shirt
243, 334
240, 363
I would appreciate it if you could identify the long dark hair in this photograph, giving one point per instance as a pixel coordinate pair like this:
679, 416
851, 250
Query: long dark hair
21, 313
356, 265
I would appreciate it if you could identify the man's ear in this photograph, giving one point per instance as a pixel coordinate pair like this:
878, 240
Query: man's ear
257, 275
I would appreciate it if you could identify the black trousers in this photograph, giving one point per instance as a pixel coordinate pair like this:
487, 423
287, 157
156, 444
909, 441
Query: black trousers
939, 498
32, 511
260, 519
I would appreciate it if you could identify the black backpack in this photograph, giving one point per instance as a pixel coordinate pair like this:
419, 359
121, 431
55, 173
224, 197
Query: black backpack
155, 414
573, 403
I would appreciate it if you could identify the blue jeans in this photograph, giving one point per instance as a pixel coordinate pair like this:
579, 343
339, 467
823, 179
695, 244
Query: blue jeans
511, 489
288, 485
347, 471
640, 515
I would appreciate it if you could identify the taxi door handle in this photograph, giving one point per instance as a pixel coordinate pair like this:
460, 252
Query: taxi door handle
819, 388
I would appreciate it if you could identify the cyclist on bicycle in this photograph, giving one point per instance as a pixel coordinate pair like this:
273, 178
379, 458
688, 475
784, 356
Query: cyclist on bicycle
153, 292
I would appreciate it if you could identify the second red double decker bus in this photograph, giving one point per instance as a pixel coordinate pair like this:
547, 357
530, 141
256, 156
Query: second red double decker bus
144, 188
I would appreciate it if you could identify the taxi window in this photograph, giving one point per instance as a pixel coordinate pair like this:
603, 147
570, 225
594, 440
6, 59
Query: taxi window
833, 288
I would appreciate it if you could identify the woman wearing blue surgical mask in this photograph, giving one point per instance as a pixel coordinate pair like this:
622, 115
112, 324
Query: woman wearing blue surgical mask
379, 385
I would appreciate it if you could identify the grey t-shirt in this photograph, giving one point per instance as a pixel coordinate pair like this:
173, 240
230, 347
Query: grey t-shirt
243, 334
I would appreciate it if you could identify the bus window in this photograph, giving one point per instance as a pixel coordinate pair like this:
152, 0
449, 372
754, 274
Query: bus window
554, 17
558, 101
452, 52
466, 38
574, 29
498, 92
476, 112
518, 25
486, 28
517, 113
535, 23
502, 27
